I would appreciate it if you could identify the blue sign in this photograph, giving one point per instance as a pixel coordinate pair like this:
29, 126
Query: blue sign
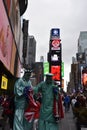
55, 33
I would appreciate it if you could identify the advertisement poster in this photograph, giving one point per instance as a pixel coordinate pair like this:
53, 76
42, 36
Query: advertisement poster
14, 15
46, 68
4, 83
5, 37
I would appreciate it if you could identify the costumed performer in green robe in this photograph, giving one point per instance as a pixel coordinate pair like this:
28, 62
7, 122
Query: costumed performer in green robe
20, 123
47, 120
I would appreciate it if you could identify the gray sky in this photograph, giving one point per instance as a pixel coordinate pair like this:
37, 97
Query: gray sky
68, 15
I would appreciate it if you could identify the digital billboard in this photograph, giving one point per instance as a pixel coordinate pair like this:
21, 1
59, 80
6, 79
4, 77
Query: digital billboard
81, 73
56, 71
56, 59
55, 44
54, 55
84, 77
46, 68
62, 69
55, 33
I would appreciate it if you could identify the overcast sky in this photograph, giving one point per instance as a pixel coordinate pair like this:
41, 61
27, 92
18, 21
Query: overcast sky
68, 15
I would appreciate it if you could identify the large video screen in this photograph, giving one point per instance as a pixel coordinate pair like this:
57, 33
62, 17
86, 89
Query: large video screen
84, 77
56, 70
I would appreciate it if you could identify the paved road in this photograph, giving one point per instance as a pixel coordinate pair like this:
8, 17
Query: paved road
68, 123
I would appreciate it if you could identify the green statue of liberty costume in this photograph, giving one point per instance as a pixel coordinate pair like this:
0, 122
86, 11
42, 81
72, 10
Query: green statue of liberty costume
20, 123
47, 120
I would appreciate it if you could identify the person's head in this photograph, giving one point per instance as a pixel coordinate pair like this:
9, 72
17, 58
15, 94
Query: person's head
49, 78
27, 74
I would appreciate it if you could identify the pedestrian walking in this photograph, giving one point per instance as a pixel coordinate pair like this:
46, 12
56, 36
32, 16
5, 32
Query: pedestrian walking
67, 102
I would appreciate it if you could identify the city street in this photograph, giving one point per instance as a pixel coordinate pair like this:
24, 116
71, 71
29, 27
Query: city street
4, 125
67, 123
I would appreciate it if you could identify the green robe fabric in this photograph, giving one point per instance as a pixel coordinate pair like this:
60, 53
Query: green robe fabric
46, 120
20, 123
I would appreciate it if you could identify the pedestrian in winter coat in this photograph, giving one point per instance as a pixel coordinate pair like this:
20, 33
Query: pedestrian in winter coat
67, 102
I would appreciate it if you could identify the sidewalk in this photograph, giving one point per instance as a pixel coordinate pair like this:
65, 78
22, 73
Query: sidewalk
3, 124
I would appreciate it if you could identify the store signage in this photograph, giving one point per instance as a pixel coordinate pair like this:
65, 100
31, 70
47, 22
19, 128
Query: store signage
4, 83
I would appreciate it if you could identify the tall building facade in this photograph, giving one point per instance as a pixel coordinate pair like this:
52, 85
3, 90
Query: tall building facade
31, 51
10, 42
79, 65
82, 41
82, 45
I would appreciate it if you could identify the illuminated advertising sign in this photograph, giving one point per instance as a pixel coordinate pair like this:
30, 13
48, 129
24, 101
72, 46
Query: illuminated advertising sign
62, 69
54, 55
4, 83
80, 67
56, 71
84, 77
56, 59
55, 44
46, 68
55, 33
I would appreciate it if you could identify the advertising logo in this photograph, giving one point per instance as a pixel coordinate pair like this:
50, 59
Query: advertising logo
55, 44
55, 33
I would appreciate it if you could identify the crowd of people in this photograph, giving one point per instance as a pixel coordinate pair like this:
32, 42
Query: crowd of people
74, 100
35, 107
38, 107
6, 110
